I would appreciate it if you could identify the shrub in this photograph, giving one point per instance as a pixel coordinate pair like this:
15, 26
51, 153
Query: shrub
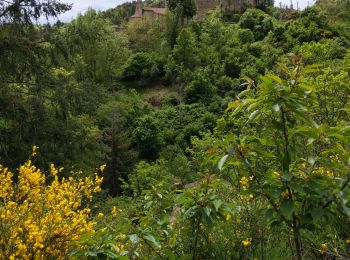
141, 66
40, 220
146, 139
245, 36
258, 22
200, 88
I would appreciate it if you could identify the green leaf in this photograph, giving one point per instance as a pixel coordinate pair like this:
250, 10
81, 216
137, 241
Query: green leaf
110, 254
233, 105
244, 92
276, 107
171, 256
275, 223
222, 162
311, 160
85, 237
283, 68
345, 209
317, 213
310, 141
150, 238
253, 115
287, 208
217, 204
347, 110
275, 78
311, 68
252, 106
265, 153
269, 213
134, 239
296, 187
207, 211
306, 219
90, 253
287, 176
148, 204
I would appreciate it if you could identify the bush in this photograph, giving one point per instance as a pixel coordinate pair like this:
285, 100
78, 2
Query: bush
327, 49
146, 139
142, 66
245, 36
258, 22
227, 85
200, 88
40, 220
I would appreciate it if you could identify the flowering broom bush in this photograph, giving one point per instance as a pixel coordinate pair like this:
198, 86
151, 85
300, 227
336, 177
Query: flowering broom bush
40, 220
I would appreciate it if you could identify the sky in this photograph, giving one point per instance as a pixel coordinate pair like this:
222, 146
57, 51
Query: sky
80, 6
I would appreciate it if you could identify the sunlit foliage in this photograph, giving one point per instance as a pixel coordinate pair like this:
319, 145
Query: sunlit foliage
42, 217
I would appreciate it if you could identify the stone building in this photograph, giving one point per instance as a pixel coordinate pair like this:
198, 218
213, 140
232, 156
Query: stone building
205, 5
237, 5
141, 11
202, 7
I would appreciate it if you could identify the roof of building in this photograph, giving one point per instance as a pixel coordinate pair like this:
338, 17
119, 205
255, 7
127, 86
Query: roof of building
155, 10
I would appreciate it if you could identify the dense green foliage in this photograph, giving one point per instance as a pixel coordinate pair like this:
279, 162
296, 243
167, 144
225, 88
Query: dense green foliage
224, 138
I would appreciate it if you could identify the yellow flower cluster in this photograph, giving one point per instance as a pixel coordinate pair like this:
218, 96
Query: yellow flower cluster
246, 198
247, 242
244, 181
285, 194
115, 211
276, 174
334, 158
322, 171
35, 149
324, 246
40, 220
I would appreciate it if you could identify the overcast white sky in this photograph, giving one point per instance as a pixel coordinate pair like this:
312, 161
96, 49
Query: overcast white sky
80, 6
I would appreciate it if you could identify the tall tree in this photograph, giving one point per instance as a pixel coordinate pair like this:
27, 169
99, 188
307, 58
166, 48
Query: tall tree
27, 11
185, 9
121, 158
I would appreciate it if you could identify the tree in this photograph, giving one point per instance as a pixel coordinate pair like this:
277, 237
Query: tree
185, 9
121, 13
258, 22
121, 157
141, 65
265, 3
58, 79
185, 50
200, 88
296, 164
27, 11
145, 35
172, 28
146, 139
96, 51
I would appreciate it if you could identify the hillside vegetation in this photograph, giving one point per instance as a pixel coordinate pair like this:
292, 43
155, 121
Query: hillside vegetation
225, 137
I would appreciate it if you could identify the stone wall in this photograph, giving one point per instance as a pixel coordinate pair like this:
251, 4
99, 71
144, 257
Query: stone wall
149, 14
235, 5
205, 5
202, 7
